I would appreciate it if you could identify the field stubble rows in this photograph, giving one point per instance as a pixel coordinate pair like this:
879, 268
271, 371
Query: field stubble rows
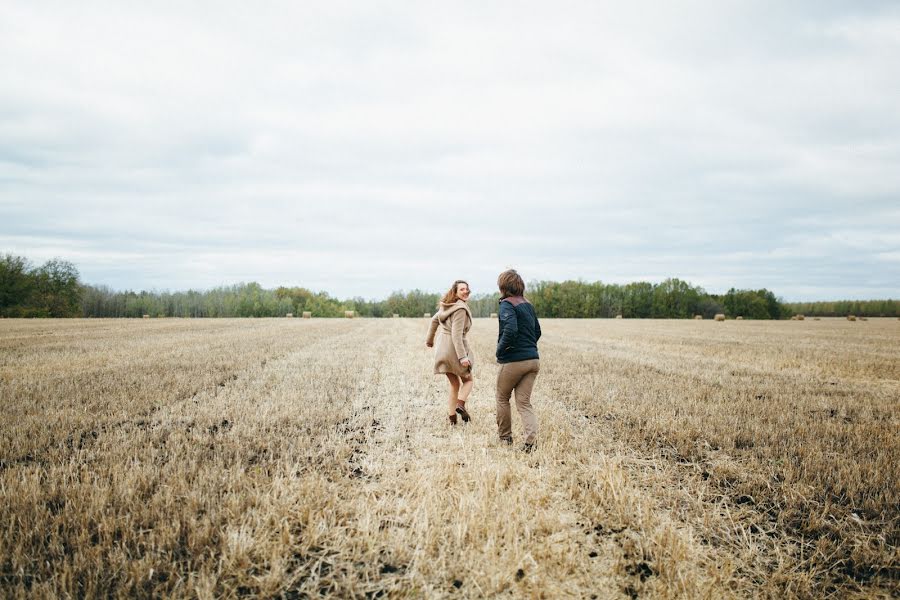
296, 458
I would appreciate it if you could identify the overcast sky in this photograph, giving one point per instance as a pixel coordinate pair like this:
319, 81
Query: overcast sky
361, 148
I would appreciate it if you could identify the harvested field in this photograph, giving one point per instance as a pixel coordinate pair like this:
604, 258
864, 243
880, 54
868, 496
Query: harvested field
305, 457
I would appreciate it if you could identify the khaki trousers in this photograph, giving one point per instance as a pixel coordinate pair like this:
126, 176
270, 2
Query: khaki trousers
518, 376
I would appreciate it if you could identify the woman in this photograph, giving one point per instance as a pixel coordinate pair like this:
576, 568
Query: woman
452, 356
517, 354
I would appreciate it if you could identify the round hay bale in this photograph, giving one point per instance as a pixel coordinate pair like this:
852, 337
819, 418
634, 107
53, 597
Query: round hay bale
851, 317
619, 316
720, 317
307, 314
146, 316
427, 315
289, 315
396, 316
698, 317
493, 315
800, 317
739, 318
349, 314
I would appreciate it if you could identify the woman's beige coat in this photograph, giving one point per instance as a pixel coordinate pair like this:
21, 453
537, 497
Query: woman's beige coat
454, 321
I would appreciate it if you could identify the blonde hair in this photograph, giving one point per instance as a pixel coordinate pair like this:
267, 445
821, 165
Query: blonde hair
451, 296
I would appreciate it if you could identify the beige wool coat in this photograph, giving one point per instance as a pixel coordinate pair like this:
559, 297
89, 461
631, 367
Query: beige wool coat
454, 321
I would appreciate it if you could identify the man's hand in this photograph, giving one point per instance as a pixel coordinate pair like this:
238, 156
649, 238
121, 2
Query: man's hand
465, 362
429, 344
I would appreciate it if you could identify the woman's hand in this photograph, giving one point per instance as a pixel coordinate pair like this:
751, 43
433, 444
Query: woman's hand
465, 362
429, 344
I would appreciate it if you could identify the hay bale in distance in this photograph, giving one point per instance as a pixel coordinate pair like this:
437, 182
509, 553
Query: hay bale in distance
800, 317
427, 315
349, 314
864, 318
698, 317
396, 316
851, 317
493, 315
289, 315
739, 318
146, 316
720, 317
619, 316
307, 314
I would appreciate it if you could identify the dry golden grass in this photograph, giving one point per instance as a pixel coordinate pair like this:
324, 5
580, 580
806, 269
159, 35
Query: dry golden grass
298, 458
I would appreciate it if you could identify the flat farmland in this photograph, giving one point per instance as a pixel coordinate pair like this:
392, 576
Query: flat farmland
304, 458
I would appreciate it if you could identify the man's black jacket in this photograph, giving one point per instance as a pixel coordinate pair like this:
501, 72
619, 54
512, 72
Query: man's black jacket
519, 330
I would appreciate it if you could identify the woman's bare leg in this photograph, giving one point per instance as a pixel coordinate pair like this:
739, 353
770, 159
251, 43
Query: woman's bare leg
466, 389
454, 392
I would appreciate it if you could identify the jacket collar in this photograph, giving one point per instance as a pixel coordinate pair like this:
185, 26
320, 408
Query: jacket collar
514, 300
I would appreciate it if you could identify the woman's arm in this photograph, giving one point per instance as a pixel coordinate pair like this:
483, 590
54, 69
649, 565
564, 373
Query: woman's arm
432, 329
457, 324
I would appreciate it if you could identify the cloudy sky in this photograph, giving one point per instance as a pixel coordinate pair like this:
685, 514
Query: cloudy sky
360, 147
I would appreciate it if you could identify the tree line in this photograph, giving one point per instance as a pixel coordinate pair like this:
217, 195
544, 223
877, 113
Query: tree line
252, 300
670, 299
54, 290
842, 308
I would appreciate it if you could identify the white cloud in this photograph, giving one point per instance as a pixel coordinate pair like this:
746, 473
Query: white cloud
362, 149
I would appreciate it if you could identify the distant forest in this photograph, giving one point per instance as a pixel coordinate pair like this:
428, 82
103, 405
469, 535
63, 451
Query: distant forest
55, 290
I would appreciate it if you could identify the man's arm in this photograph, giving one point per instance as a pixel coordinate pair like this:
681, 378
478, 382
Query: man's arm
509, 326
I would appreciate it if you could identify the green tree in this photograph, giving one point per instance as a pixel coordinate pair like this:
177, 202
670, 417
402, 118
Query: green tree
752, 304
675, 299
16, 286
59, 289
637, 300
